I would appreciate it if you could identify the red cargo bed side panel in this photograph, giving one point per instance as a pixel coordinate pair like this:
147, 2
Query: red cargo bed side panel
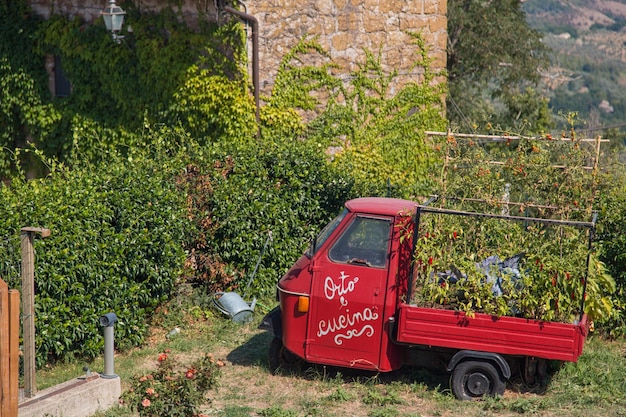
486, 333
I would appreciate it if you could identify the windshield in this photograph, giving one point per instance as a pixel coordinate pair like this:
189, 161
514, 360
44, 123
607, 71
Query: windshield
365, 241
325, 233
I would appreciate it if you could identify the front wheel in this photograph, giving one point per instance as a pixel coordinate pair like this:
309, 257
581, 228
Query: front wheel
473, 380
281, 358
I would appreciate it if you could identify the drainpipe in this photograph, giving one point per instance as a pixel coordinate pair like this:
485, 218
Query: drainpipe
254, 23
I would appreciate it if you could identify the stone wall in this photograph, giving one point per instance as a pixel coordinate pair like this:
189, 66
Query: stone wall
345, 28
89, 10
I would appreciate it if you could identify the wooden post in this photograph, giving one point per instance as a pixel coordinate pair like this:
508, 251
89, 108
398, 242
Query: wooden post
14, 351
4, 349
28, 305
596, 160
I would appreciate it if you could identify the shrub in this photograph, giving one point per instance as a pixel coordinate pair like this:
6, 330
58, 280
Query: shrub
172, 390
612, 247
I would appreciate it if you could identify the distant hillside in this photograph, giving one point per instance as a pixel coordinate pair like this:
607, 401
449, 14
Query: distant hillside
588, 66
582, 15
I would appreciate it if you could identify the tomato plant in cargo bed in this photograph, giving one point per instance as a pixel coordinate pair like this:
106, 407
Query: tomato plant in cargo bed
542, 278
514, 268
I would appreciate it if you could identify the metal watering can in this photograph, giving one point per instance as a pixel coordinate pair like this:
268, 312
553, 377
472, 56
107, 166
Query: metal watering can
231, 303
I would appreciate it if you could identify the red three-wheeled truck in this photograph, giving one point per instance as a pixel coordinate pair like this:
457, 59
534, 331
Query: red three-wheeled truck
344, 303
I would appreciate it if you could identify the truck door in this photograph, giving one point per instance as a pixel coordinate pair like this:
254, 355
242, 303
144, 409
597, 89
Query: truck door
348, 293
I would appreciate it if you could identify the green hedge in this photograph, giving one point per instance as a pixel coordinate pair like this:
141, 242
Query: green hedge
115, 245
241, 192
121, 232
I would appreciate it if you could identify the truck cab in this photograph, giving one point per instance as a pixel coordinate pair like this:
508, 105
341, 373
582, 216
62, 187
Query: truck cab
336, 301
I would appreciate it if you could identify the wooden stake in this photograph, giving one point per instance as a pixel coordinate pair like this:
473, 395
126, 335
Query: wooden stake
4, 349
28, 305
14, 351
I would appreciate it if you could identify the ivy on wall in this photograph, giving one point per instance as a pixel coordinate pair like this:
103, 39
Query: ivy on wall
18, 26
111, 83
378, 136
23, 114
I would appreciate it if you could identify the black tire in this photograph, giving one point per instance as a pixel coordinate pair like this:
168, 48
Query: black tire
281, 358
533, 370
473, 380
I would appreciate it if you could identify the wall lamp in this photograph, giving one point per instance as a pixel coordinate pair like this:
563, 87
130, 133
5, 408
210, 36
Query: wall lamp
113, 16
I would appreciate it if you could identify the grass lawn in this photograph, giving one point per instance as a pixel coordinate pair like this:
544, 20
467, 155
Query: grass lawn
595, 386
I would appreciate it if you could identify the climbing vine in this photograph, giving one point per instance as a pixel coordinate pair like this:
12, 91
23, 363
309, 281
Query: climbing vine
380, 135
113, 83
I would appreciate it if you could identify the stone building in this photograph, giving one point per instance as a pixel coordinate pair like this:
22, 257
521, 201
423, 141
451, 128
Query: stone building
346, 28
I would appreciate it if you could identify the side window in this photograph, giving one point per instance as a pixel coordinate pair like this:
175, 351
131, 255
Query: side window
365, 241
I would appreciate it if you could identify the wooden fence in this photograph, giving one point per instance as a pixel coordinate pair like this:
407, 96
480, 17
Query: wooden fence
9, 350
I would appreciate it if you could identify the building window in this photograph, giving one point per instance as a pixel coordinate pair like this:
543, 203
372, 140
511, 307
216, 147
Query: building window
58, 83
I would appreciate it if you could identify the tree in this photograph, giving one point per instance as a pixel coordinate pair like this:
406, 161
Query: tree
493, 62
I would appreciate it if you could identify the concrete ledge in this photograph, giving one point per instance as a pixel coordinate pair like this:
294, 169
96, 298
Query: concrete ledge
81, 397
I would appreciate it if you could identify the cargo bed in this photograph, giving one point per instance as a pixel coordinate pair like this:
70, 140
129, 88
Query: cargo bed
483, 332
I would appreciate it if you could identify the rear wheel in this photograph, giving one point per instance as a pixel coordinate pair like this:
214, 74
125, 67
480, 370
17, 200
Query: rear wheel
281, 358
534, 370
473, 380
